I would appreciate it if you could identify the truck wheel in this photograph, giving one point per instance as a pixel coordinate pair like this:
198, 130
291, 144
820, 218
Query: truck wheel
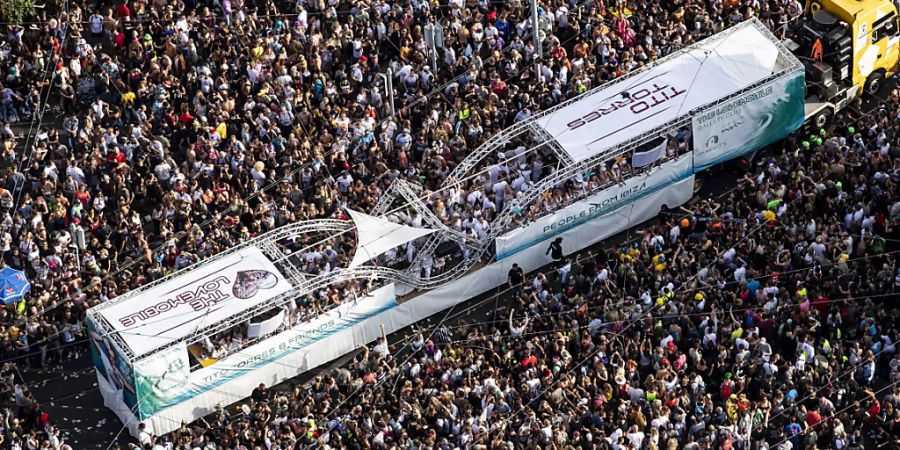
821, 119
873, 83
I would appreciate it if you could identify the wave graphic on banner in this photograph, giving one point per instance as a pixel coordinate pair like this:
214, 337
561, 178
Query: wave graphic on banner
743, 126
151, 405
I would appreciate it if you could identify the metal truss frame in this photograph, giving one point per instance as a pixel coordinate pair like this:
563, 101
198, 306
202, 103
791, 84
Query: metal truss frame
306, 284
566, 167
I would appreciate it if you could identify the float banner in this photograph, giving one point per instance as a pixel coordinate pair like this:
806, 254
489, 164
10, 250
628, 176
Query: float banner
605, 210
114, 367
279, 357
705, 73
201, 297
646, 156
749, 122
262, 328
162, 375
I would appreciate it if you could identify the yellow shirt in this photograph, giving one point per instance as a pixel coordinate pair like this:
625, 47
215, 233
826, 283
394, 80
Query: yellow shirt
222, 129
404, 52
660, 263
257, 52
732, 409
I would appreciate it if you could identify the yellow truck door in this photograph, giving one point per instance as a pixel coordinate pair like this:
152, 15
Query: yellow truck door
876, 49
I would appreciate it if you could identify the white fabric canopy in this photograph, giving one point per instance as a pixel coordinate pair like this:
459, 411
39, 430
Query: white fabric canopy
710, 70
377, 235
213, 293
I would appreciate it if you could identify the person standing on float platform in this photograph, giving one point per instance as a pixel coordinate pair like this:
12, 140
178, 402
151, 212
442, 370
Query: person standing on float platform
555, 250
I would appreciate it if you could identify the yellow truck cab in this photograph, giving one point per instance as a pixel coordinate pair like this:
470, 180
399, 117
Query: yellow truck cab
848, 48
873, 25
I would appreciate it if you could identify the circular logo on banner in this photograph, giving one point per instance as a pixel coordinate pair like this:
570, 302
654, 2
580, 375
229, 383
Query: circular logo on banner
249, 282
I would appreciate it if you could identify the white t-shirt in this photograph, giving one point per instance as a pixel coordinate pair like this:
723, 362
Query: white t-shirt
163, 172
145, 438
636, 438
96, 24
76, 173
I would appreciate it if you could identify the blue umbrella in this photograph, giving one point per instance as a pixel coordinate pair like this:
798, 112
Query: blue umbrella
13, 286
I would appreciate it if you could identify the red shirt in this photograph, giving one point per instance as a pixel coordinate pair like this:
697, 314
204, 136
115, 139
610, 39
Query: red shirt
83, 196
873, 412
559, 53
813, 418
119, 40
499, 87
530, 361
122, 10
116, 157
726, 390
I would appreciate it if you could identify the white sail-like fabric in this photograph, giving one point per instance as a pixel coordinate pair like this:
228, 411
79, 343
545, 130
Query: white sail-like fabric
377, 235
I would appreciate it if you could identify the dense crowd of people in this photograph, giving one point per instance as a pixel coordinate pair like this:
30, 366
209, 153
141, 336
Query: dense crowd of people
761, 320
167, 132
247, 116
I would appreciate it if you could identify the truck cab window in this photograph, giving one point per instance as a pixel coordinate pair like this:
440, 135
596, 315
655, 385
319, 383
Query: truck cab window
884, 28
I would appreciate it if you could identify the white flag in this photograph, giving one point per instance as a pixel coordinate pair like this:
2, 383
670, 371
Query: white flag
648, 153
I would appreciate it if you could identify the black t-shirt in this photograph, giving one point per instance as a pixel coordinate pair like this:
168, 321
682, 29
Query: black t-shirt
516, 275
700, 225
259, 394
36, 173
556, 250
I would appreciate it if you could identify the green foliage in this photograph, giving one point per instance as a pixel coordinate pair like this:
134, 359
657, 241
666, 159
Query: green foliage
15, 11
